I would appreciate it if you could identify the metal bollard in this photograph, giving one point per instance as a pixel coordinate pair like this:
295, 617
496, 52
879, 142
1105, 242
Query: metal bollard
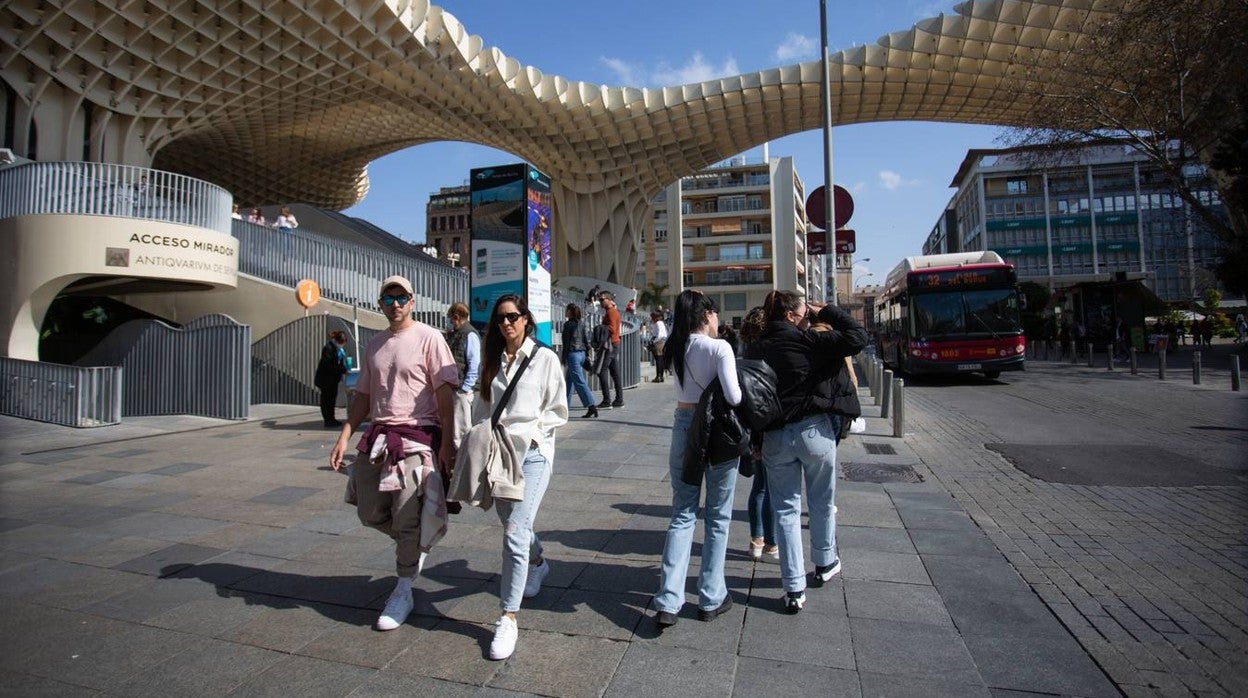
873, 384
886, 386
1195, 368
1161, 365
1091, 355
1135, 363
899, 408
1235, 373
1109, 357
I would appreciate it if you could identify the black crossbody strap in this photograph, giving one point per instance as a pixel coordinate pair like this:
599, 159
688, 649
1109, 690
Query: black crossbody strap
511, 388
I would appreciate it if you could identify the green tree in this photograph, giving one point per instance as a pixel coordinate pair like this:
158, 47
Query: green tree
1171, 82
651, 296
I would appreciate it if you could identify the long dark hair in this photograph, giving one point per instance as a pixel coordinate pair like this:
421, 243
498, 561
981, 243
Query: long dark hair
688, 317
495, 343
574, 311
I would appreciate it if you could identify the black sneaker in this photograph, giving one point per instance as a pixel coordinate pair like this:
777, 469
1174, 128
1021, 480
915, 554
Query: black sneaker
794, 600
825, 573
665, 620
707, 616
604, 405
618, 403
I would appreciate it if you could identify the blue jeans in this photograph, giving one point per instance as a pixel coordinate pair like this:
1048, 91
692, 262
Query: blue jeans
803, 448
762, 518
520, 543
576, 379
720, 479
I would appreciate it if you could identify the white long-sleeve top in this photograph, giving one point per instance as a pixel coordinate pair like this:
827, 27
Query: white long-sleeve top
705, 359
539, 404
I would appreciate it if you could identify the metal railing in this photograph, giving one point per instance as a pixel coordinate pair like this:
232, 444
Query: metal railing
346, 272
202, 368
99, 189
631, 351
74, 396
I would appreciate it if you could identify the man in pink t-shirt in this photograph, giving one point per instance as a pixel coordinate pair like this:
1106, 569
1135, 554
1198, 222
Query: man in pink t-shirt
407, 382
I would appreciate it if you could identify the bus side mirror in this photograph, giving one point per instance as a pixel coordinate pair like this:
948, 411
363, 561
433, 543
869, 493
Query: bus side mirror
904, 299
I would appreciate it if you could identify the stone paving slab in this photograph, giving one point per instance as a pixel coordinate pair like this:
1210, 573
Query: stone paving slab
250, 574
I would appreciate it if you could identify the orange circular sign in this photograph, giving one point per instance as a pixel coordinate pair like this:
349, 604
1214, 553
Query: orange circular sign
307, 293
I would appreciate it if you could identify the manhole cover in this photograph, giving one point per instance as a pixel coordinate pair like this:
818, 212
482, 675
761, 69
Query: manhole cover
878, 473
879, 449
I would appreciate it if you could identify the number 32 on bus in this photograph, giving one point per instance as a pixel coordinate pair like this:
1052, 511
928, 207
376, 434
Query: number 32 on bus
951, 313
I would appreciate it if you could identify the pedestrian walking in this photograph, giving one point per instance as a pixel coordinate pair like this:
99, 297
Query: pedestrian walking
697, 359
530, 416
330, 369
575, 348
465, 344
406, 388
658, 340
611, 317
803, 447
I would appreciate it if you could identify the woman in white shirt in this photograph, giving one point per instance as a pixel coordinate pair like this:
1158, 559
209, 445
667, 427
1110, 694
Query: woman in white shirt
538, 405
286, 222
696, 358
658, 339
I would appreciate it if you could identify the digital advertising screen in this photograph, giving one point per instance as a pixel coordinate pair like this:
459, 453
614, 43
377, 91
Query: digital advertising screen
498, 237
538, 232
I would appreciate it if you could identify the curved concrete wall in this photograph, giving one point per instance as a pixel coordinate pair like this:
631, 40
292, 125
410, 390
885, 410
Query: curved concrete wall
42, 254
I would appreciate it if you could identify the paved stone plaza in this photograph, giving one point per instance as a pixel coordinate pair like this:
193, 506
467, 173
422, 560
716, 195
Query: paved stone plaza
184, 556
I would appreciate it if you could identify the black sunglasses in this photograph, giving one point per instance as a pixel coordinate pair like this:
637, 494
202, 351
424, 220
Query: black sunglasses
401, 299
512, 318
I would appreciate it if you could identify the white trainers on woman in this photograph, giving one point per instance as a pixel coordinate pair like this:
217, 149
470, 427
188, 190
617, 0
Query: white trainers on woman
505, 634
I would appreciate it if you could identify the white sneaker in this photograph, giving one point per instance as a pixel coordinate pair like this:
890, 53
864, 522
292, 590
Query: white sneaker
533, 583
398, 607
504, 642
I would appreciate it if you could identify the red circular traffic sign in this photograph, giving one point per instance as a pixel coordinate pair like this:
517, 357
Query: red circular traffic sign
841, 198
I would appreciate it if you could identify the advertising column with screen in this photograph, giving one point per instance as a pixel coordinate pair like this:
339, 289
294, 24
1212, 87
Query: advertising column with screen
511, 228
539, 224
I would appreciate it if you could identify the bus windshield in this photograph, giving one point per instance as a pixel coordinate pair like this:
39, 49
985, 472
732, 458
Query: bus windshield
987, 313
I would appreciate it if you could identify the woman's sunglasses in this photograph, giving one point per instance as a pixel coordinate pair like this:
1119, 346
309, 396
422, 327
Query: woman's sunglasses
511, 318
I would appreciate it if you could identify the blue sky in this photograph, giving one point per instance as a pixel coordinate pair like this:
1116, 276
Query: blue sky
898, 172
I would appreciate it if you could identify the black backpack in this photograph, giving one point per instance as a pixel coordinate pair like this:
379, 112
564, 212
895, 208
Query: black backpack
760, 402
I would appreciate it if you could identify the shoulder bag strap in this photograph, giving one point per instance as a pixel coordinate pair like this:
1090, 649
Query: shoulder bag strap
511, 388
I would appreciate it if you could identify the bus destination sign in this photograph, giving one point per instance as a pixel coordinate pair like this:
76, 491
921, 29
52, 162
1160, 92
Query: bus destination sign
959, 278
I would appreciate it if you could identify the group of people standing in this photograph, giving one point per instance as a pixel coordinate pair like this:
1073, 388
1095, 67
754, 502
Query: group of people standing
805, 345
417, 388
285, 221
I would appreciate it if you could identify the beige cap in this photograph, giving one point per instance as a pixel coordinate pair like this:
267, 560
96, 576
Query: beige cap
396, 281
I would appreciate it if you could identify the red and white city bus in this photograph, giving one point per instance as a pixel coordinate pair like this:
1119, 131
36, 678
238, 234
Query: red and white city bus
951, 313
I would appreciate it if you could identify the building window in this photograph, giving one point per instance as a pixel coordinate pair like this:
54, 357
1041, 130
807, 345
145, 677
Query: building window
455, 245
734, 301
1016, 186
660, 234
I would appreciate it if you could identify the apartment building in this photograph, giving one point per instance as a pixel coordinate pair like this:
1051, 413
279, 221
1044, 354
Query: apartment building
734, 231
447, 225
1102, 213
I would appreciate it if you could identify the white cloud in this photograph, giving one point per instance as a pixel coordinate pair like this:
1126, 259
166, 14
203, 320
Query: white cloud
892, 181
626, 72
696, 69
796, 47
858, 187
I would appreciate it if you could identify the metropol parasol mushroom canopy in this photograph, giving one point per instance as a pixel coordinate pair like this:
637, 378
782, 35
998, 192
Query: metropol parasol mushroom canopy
189, 86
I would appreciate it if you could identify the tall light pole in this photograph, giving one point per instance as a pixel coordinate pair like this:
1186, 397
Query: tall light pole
829, 208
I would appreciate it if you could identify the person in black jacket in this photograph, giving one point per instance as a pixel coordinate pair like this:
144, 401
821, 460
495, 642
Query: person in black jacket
803, 446
575, 344
329, 372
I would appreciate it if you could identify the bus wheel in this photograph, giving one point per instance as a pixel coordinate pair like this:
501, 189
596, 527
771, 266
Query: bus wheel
992, 375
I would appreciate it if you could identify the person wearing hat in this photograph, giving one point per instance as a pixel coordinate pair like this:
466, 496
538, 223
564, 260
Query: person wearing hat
406, 386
